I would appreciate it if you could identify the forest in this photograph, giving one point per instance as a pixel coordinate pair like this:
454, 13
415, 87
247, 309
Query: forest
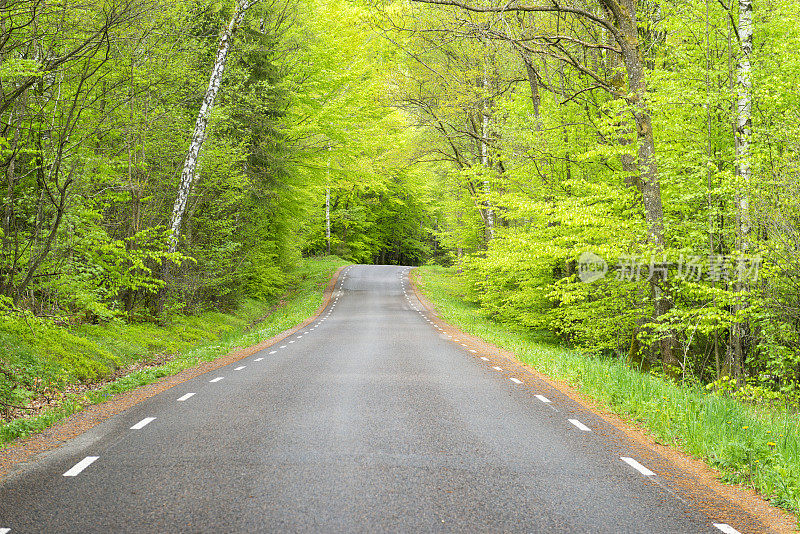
619, 173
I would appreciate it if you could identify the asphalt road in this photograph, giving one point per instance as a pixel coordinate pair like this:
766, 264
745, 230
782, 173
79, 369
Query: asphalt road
371, 419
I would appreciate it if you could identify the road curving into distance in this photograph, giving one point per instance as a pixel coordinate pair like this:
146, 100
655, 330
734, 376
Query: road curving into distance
372, 418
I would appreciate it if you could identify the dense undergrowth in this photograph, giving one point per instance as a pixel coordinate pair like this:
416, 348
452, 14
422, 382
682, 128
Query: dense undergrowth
41, 360
757, 446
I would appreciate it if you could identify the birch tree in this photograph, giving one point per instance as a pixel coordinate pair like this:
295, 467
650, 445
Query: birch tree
199, 136
735, 354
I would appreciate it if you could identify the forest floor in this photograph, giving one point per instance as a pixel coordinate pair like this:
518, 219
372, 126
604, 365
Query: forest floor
724, 440
92, 364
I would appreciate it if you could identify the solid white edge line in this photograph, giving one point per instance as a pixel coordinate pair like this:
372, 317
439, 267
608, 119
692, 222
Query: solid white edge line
143, 423
185, 397
515, 380
216, 379
258, 359
579, 425
636, 465
543, 399
76, 469
724, 527
240, 368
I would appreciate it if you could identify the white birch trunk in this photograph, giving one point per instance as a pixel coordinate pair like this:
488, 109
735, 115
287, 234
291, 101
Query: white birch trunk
735, 356
743, 124
487, 188
199, 135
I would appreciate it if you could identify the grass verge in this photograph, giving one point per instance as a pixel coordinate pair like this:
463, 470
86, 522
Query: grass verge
756, 447
68, 362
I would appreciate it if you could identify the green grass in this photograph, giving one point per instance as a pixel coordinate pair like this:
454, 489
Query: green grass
53, 357
749, 445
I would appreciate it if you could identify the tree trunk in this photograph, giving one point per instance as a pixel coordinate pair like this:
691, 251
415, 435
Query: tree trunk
649, 184
328, 204
199, 135
734, 361
198, 138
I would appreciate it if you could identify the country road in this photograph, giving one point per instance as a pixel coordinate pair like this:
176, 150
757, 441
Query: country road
370, 419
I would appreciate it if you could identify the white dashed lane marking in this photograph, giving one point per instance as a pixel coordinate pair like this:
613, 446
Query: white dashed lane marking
216, 379
636, 465
80, 466
185, 397
579, 425
143, 423
724, 527
240, 368
515, 380
5, 530
282, 347
258, 359
543, 399
484, 358
273, 351
497, 368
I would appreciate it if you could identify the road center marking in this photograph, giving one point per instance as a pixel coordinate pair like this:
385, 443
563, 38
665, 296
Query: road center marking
80, 466
143, 423
636, 465
185, 397
724, 527
543, 399
580, 425
515, 380
240, 368
216, 379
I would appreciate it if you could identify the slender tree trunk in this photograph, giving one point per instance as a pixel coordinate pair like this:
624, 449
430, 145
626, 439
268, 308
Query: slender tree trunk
743, 173
485, 160
328, 204
198, 138
199, 135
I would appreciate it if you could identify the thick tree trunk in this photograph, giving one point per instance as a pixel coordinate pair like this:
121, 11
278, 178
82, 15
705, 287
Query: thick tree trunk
649, 184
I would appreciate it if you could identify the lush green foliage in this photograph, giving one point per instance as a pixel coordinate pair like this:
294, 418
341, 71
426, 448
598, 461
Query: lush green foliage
542, 135
759, 447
